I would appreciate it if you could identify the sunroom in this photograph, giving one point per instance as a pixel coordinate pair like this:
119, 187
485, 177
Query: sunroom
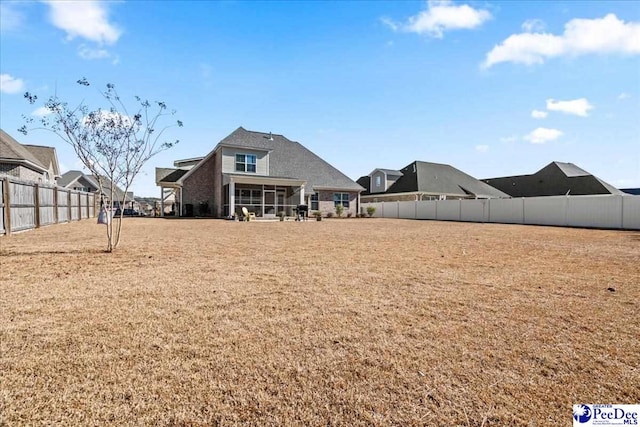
265, 197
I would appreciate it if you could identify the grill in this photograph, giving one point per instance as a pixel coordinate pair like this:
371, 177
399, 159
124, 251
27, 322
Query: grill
302, 212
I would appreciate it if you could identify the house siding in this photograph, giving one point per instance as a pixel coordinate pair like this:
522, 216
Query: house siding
199, 188
229, 160
383, 182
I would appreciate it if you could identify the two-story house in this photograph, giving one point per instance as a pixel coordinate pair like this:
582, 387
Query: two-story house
266, 173
34, 163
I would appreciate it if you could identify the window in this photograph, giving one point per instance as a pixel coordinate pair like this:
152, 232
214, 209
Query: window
378, 181
341, 199
314, 202
246, 163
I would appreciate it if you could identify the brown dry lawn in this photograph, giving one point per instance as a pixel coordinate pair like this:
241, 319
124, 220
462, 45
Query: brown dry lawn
339, 322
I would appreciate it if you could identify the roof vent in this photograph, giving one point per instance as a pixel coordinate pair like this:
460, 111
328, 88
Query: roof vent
270, 137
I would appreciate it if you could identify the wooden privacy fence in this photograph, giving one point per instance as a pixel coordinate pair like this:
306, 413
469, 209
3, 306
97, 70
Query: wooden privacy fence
606, 211
28, 205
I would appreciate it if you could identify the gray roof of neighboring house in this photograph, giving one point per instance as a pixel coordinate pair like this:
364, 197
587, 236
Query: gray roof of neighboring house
70, 177
46, 155
632, 191
13, 151
436, 178
169, 174
556, 178
571, 170
291, 159
391, 172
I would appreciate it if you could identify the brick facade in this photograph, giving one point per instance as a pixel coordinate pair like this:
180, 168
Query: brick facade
326, 203
198, 190
21, 172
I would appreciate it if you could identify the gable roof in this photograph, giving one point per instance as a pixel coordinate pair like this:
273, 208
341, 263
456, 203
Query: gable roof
437, 178
46, 156
365, 182
388, 172
555, 179
14, 152
287, 159
68, 178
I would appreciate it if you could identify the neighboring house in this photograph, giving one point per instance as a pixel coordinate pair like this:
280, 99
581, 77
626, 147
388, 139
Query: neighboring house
266, 173
555, 179
77, 180
28, 162
424, 181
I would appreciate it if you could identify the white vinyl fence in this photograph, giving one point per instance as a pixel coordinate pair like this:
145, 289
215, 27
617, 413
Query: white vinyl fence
27, 205
606, 211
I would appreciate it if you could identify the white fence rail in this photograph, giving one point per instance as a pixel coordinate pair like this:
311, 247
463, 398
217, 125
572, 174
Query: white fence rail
607, 211
27, 205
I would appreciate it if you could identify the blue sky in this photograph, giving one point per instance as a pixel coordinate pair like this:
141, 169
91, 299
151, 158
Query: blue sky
492, 88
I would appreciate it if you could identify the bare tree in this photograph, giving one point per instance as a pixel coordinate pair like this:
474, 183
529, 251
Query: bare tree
112, 143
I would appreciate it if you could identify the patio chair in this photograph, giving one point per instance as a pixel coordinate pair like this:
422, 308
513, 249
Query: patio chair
248, 216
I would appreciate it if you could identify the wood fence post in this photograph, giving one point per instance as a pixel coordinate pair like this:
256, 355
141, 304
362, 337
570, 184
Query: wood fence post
55, 205
7, 206
36, 200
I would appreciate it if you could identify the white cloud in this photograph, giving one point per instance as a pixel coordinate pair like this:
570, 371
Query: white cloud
41, 112
10, 18
441, 16
482, 148
581, 37
87, 19
537, 114
543, 135
533, 26
10, 84
623, 96
509, 139
86, 52
579, 107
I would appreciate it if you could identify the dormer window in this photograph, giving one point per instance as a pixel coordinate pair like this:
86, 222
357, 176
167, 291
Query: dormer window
246, 163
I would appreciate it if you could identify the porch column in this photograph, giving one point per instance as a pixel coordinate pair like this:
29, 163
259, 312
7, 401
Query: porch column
161, 201
232, 198
302, 195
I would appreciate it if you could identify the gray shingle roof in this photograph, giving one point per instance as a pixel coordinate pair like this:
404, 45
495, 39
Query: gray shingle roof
46, 156
291, 159
391, 172
570, 170
69, 177
169, 174
556, 178
436, 178
12, 150
72, 176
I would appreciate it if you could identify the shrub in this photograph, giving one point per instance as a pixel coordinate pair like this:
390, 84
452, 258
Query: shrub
371, 210
339, 210
349, 214
329, 214
317, 214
